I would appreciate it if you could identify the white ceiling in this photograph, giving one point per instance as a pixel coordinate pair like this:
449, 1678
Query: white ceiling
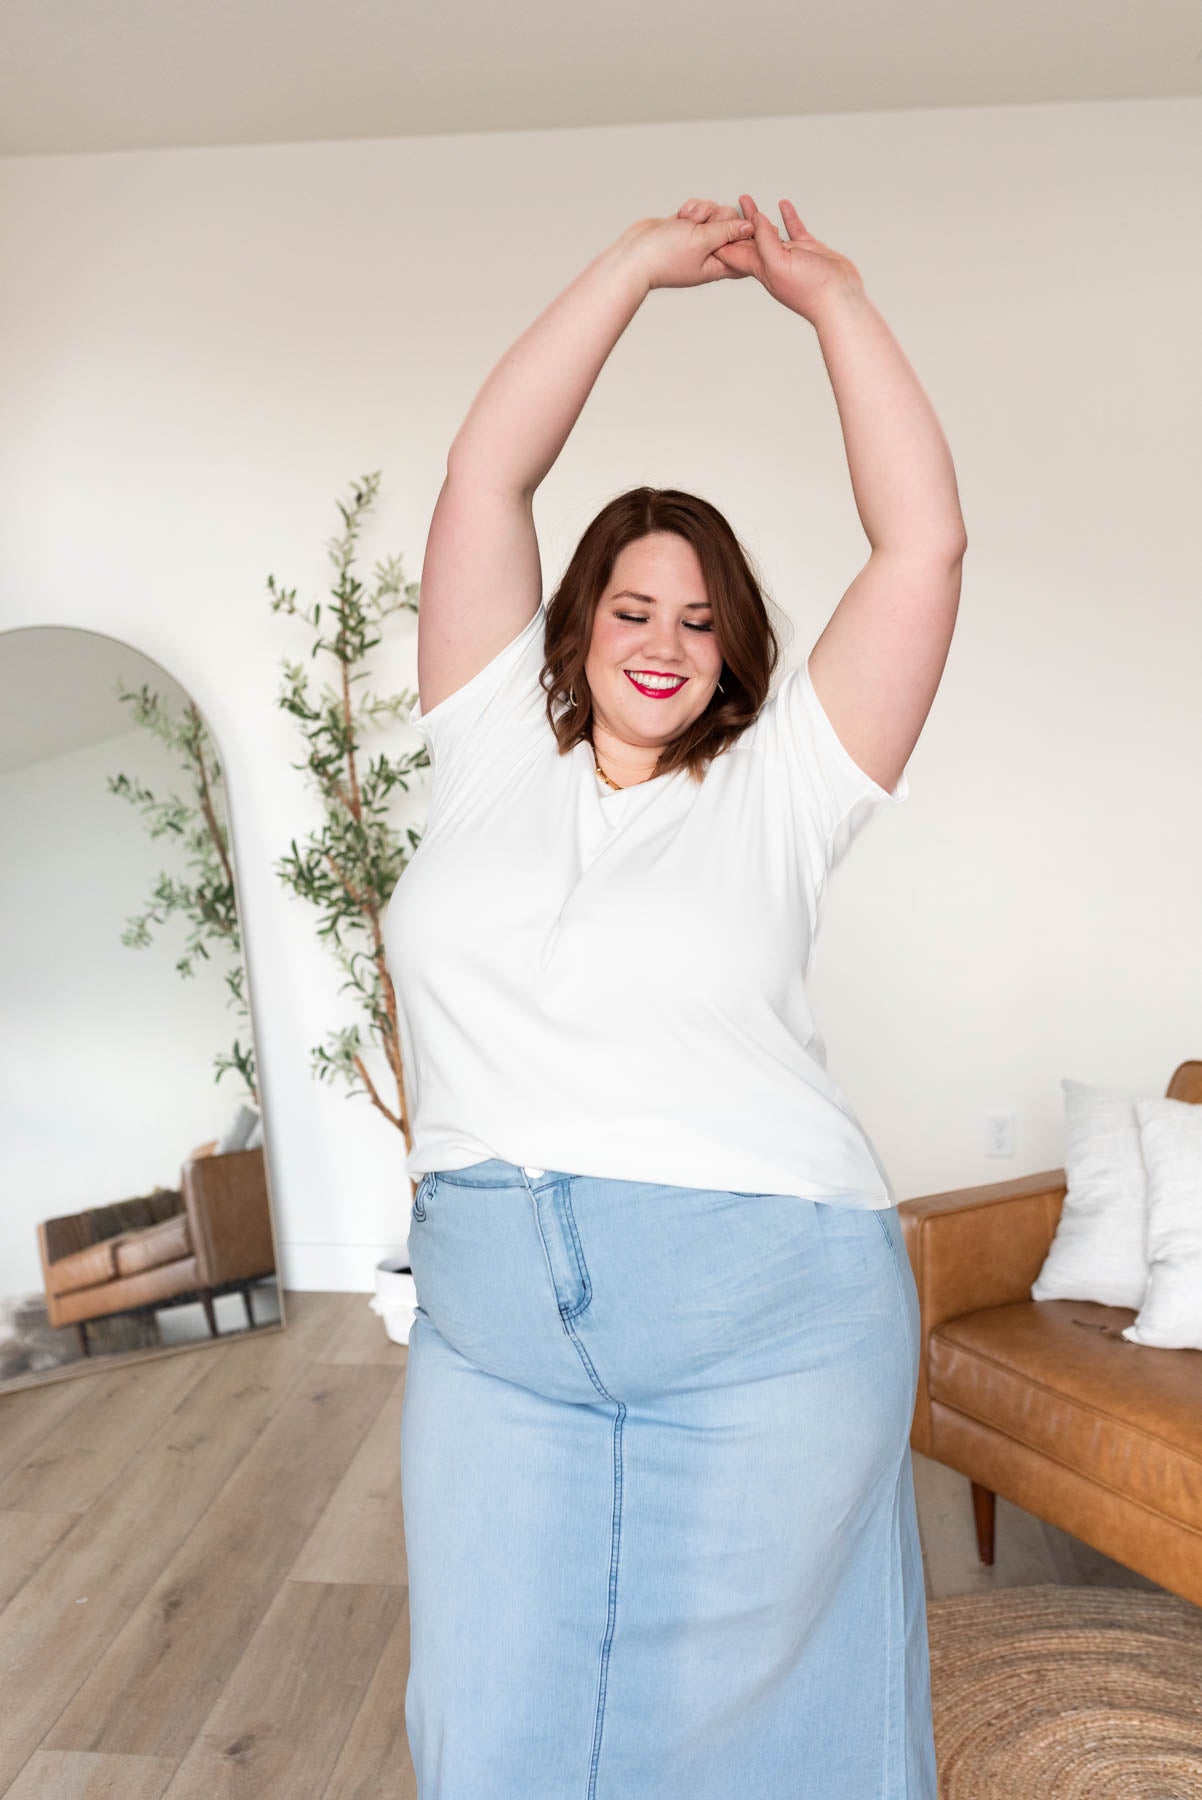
91, 75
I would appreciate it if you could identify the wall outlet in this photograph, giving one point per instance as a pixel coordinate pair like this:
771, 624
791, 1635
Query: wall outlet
1000, 1134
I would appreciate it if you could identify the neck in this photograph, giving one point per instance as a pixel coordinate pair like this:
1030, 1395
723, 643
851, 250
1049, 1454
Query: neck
625, 764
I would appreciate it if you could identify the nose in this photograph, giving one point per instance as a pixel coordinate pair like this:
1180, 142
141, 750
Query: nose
667, 652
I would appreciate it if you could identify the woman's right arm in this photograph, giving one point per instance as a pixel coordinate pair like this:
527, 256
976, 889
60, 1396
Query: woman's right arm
481, 577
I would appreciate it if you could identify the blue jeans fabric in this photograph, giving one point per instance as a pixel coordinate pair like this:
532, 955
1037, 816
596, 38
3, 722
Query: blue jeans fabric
658, 1496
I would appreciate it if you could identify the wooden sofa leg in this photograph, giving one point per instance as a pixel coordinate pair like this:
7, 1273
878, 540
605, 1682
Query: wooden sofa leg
984, 1503
82, 1332
206, 1300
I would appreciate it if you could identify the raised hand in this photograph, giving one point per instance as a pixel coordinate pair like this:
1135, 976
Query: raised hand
682, 251
801, 273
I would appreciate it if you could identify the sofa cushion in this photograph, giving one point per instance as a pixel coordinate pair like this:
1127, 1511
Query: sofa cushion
1171, 1315
1058, 1376
89, 1267
236, 1134
166, 1242
1099, 1251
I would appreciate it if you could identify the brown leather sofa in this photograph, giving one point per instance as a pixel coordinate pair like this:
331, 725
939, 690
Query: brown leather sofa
1043, 1401
209, 1236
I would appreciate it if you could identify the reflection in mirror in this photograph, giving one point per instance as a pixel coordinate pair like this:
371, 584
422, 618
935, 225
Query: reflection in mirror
136, 1213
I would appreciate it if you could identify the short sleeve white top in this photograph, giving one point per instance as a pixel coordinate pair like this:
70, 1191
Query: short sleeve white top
612, 983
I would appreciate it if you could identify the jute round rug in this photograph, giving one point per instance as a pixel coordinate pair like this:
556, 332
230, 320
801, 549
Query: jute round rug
1067, 1693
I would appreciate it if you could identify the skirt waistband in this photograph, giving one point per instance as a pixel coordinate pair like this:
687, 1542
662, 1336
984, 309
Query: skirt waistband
495, 1172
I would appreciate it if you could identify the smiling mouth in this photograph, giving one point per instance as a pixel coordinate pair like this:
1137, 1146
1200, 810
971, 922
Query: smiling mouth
655, 686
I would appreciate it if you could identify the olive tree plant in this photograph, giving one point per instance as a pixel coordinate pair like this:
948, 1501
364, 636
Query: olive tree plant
205, 896
348, 866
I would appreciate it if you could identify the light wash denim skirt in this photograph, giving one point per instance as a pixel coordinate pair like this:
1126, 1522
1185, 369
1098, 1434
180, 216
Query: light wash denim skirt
658, 1496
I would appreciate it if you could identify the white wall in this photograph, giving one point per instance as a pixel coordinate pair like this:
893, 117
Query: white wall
107, 1078
200, 349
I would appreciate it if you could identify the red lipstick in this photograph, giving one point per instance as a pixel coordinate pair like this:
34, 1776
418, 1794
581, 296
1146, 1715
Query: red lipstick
655, 693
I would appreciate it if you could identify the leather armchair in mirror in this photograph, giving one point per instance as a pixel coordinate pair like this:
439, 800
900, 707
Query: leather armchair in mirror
136, 1218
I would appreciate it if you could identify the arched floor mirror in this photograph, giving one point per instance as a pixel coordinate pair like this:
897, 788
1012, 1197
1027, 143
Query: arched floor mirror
136, 1218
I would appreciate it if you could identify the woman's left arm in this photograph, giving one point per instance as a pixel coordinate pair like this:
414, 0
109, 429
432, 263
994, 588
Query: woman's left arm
877, 664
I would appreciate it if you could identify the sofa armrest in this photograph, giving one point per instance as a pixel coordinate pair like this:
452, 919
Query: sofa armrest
229, 1216
971, 1248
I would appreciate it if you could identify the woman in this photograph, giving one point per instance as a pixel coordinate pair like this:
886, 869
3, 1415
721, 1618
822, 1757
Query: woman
656, 1475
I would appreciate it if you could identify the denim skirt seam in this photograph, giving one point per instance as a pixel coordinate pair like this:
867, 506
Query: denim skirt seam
586, 1285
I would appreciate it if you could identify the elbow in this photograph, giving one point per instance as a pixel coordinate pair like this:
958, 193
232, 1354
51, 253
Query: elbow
955, 545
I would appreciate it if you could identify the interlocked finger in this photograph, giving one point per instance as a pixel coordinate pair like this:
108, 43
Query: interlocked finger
700, 212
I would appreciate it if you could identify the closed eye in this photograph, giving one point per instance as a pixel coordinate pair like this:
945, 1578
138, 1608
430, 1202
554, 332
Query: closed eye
641, 619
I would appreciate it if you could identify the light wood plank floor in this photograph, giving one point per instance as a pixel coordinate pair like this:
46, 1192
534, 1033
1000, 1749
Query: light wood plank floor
202, 1569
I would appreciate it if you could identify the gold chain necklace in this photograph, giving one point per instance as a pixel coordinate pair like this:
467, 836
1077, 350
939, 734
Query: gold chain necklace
616, 785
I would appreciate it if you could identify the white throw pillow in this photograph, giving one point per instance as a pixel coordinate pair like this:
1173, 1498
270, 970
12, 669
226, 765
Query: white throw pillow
1100, 1248
1171, 1315
234, 1136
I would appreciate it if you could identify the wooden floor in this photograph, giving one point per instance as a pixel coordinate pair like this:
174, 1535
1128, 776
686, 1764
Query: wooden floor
202, 1571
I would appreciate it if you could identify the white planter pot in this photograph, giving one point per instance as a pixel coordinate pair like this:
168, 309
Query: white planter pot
395, 1298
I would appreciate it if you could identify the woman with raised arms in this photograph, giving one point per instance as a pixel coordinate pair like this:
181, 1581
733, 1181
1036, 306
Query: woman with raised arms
658, 1499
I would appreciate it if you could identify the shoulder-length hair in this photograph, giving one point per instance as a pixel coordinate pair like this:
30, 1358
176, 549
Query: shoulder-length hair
749, 645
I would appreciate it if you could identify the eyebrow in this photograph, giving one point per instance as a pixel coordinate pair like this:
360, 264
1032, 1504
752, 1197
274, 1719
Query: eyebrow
629, 594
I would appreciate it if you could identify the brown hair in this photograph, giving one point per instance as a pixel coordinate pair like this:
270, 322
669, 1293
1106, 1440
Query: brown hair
749, 645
